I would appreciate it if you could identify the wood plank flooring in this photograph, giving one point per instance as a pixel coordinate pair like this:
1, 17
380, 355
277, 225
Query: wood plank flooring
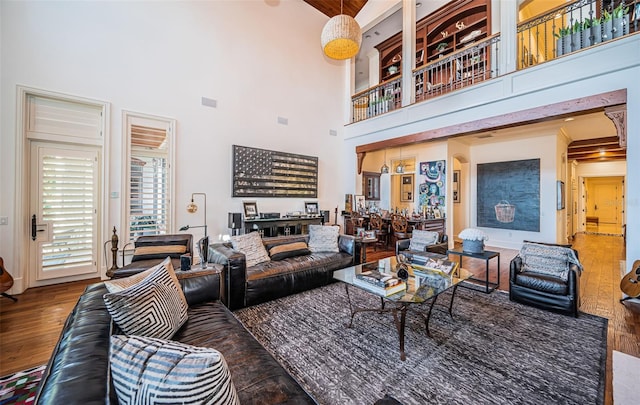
29, 329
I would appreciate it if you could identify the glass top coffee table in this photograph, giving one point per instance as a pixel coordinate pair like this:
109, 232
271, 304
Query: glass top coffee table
422, 286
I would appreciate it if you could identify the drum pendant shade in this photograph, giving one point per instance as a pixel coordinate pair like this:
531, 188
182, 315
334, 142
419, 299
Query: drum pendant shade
341, 37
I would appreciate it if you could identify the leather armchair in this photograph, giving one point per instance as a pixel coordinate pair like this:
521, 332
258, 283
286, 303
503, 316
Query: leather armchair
544, 290
153, 249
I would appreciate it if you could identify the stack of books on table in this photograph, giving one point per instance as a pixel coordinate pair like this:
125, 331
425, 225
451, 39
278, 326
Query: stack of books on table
434, 264
379, 283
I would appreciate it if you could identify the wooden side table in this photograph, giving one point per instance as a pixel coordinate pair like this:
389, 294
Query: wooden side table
486, 256
363, 242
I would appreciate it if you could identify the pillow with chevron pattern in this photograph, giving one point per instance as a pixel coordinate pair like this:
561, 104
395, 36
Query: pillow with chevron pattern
153, 307
148, 370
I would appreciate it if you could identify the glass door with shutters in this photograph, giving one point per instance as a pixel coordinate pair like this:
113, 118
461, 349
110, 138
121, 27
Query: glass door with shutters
63, 211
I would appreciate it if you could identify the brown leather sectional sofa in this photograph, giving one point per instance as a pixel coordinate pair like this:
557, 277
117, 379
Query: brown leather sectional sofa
245, 286
78, 371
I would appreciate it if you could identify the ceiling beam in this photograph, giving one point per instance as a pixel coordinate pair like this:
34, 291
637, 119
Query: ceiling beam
332, 8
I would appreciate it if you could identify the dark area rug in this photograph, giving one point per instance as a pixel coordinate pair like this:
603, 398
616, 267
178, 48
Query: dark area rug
493, 351
20, 388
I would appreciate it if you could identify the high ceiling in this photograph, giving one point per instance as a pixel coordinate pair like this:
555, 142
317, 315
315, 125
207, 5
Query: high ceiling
331, 8
593, 136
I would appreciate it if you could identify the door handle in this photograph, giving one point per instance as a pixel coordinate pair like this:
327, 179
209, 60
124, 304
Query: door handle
34, 227
596, 207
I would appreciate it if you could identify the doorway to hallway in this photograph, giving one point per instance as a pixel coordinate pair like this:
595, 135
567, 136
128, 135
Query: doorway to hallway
604, 205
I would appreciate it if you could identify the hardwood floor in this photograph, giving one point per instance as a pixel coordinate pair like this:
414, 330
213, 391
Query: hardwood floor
29, 329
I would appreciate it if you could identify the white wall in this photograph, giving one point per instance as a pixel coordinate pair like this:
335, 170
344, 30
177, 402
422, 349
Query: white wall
258, 59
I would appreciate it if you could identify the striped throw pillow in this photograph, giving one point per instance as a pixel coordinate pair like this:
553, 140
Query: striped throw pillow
148, 371
153, 307
285, 250
120, 284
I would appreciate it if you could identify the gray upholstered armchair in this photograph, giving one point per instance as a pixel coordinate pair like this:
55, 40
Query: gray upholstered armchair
546, 276
424, 241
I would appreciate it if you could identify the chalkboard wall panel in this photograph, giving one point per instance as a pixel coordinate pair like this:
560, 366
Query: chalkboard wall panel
268, 173
509, 195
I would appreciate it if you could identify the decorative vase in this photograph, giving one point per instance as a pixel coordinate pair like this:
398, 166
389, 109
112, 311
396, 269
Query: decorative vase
619, 26
566, 44
473, 246
606, 32
575, 41
558, 47
586, 38
596, 34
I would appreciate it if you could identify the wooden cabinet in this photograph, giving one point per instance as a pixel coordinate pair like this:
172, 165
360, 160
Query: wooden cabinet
452, 27
371, 185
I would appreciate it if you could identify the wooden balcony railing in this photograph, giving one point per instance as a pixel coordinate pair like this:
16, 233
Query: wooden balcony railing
377, 100
574, 26
466, 67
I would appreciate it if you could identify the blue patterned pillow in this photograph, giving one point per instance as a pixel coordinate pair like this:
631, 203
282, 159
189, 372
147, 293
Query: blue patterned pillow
154, 307
147, 370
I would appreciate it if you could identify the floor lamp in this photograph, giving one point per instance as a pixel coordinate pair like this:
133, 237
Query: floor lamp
203, 244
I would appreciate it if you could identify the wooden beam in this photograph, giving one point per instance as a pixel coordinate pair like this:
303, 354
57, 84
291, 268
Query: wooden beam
564, 109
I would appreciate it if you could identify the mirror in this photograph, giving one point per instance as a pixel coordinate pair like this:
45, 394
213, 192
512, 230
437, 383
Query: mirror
406, 188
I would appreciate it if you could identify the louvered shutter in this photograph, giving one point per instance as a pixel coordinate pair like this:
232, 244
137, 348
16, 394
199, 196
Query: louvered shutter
149, 178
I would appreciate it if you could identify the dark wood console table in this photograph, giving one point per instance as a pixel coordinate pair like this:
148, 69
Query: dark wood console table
269, 227
486, 256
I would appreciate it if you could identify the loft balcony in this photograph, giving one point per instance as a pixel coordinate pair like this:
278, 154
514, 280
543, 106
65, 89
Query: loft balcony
562, 32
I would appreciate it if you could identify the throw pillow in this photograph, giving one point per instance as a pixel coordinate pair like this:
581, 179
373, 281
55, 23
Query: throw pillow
120, 284
251, 246
323, 238
421, 239
551, 260
294, 249
147, 370
153, 307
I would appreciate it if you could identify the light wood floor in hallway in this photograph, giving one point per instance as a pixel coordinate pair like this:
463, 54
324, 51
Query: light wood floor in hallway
29, 329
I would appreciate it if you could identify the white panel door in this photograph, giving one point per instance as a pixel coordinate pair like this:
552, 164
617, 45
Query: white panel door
63, 215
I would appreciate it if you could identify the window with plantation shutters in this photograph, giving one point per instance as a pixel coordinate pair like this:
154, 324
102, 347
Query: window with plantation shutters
149, 176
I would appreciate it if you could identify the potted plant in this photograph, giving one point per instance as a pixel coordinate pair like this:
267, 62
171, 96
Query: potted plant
585, 33
576, 36
473, 240
620, 22
607, 25
563, 41
596, 30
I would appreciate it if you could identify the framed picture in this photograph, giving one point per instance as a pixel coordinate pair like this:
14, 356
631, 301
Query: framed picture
360, 232
560, 194
311, 208
250, 209
436, 213
348, 202
359, 203
456, 186
369, 235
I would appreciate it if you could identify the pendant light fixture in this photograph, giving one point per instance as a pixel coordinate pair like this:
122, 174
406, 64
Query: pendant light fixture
400, 167
384, 169
341, 37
